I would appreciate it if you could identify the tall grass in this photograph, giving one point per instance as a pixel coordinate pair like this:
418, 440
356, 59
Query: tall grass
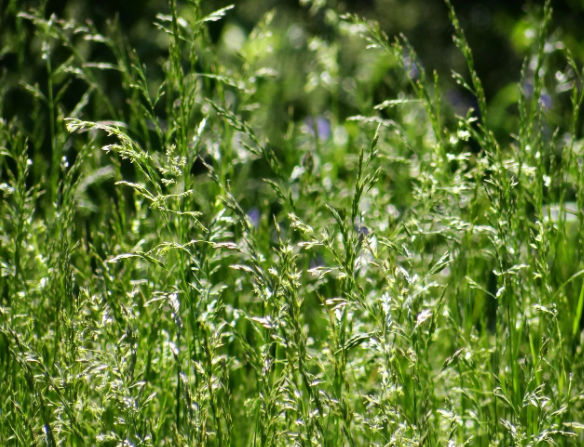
185, 268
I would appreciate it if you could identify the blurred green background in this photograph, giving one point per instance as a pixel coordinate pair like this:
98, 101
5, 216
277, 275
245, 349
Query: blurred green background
318, 71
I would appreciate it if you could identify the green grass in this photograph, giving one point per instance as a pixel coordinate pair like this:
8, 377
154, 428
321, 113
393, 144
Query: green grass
183, 262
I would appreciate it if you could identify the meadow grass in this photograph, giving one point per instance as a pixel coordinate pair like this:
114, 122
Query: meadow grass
188, 268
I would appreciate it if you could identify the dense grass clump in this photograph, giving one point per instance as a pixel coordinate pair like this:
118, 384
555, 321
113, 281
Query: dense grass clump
186, 262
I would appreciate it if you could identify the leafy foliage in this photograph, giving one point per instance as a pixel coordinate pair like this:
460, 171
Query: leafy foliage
186, 268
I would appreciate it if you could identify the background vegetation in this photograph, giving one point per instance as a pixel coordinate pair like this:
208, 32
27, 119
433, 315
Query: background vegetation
291, 224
